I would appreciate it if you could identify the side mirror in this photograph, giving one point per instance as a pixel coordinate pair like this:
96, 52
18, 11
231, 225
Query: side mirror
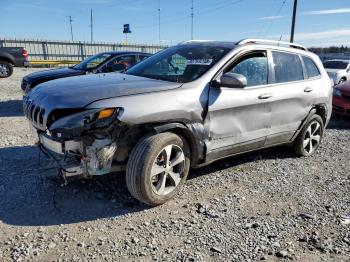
233, 80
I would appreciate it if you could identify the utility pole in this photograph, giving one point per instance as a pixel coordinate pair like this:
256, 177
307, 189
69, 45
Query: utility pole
293, 21
91, 27
159, 21
192, 15
71, 26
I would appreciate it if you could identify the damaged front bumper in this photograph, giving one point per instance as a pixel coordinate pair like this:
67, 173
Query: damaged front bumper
76, 157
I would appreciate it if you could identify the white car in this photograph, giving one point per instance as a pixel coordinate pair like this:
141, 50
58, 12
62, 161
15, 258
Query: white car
338, 70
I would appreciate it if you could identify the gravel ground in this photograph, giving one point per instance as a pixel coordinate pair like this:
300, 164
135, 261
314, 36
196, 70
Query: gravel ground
265, 205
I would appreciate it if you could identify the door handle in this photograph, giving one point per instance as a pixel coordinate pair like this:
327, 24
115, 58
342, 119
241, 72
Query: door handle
265, 96
308, 89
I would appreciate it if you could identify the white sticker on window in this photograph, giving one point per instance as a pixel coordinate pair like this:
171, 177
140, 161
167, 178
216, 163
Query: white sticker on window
199, 61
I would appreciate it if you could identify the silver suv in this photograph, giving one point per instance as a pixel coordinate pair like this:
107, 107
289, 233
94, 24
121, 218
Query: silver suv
186, 106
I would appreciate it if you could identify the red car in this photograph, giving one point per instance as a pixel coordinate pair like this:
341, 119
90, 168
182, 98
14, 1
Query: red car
341, 99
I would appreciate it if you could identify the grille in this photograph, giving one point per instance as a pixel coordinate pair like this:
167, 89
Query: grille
34, 113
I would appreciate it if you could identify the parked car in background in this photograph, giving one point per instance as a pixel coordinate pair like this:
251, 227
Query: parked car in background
338, 70
101, 63
341, 99
10, 57
186, 106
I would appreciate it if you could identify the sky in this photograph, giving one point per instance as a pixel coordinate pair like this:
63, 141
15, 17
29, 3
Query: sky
319, 22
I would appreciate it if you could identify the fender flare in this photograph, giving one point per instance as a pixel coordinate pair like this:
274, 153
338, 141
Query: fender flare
7, 57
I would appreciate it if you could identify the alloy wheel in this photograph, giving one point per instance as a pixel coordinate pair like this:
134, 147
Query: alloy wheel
312, 137
4, 70
167, 170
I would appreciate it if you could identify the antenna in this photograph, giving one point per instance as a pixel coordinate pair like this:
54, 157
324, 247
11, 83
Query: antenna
91, 27
192, 15
71, 26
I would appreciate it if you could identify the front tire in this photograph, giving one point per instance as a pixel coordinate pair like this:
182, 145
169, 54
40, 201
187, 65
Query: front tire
157, 168
310, 137
6, 69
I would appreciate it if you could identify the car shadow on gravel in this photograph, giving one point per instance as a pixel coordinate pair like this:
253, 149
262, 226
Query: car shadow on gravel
31, 193
11, 108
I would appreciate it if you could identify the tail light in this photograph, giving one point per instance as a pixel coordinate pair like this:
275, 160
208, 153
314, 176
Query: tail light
24, 53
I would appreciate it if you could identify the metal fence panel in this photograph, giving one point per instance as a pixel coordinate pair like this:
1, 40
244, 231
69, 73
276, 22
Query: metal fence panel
67, 50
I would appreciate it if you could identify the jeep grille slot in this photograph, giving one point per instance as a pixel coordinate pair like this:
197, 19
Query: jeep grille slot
35, 114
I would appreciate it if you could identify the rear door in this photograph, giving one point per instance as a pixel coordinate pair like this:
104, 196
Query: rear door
291, 97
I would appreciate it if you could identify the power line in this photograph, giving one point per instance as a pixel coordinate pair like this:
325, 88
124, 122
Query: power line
185, 17
276, 14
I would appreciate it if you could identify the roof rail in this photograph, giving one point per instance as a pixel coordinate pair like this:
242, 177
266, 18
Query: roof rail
270, 42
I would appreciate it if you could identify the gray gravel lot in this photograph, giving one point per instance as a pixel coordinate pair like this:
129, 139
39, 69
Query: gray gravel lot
265, 205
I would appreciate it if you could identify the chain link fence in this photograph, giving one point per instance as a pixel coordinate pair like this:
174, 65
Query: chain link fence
72, 51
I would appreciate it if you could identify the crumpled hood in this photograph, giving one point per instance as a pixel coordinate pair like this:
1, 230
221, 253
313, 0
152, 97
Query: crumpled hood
52, 74
79, 91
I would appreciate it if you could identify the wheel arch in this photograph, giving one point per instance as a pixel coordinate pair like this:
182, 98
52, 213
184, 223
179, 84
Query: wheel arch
319, 109
184, 131
6, 59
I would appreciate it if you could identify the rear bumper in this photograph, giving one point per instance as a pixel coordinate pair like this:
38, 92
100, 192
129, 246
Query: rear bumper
341, 106
21, 62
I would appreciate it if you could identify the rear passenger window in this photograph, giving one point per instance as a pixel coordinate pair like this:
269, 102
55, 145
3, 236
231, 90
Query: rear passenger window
311, 68
287, 67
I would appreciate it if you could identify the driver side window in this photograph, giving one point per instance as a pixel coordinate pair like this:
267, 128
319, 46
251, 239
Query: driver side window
254, 67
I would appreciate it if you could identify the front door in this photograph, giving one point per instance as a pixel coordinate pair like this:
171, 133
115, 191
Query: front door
238, 119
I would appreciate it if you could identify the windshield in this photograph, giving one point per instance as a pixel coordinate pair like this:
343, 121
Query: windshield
92, 61
335, 64
179, 63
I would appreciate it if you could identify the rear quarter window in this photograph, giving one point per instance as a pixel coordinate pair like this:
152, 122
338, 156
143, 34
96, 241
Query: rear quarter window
311, 68
288, 67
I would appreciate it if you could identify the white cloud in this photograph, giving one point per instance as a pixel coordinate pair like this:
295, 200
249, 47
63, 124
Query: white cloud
270, 17
328, 12
324, 38
323, 35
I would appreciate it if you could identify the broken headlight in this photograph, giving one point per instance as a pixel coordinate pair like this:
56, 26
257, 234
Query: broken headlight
73, 125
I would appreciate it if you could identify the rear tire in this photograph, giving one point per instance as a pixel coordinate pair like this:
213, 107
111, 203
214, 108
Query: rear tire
310, 137
157, 168
6, 69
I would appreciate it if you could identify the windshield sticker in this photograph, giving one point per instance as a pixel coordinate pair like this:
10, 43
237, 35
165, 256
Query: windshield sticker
199, 61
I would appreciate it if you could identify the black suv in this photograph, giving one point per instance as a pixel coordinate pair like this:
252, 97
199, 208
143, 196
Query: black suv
101, 63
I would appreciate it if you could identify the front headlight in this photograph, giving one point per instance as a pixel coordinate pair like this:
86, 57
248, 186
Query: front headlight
105, 113
336, 92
